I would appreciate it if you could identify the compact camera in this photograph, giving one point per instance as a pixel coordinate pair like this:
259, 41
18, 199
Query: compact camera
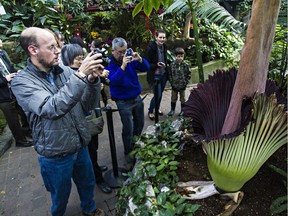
129, 52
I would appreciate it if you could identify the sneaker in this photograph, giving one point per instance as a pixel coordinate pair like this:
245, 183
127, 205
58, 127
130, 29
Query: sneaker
97, 212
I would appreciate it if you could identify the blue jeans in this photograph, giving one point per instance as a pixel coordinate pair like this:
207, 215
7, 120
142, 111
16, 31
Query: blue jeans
132, 118
57, 174
161, 86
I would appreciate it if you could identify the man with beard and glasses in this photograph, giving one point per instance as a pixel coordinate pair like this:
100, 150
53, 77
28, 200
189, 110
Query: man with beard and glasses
54, 97
125, 90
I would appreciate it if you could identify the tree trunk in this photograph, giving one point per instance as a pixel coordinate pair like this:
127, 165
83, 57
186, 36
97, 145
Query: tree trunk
254, 61
197, 43
186, 33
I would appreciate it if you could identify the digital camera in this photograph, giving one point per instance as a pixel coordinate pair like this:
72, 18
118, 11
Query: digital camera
105, 63
129, 52
105, 57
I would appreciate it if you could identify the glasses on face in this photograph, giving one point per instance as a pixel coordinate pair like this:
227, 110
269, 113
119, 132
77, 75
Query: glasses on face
120, 52
79, 58
54, 47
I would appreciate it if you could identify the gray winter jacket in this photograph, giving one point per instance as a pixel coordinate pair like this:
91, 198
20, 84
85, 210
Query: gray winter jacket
56, 112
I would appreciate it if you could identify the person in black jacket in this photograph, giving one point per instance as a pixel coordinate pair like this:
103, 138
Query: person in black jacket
156, 55
12, 111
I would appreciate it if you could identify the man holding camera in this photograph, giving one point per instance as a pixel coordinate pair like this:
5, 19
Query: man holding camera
54, 97
125, 90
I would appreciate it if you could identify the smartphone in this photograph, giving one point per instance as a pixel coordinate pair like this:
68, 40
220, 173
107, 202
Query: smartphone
129, 52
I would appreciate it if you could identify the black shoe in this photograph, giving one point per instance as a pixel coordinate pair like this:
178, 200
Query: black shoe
97, 212
103, 168
104, 187
171, 113
24, 143
151, 116
181, 113
160, 113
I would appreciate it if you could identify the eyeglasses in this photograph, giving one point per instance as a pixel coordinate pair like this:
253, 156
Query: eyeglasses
122, 52
79, 58
53, 47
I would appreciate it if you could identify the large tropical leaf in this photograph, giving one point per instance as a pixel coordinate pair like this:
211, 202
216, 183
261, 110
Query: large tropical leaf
207, 9
214, 12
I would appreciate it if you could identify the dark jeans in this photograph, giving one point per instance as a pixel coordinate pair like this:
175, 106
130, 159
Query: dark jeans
14, 115
132, 118
93, 148
57, 174
161, 86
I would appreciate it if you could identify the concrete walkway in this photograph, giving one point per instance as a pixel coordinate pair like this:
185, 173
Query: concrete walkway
22, 192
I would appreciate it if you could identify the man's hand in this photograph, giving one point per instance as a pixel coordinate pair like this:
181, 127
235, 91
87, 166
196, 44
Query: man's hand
91, 65
161, 64
105, 73
126, 60
137, 57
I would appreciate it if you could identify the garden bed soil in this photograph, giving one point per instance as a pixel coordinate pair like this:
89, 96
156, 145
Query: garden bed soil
259, 192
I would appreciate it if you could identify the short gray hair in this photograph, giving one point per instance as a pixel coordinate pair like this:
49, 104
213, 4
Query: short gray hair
118, 42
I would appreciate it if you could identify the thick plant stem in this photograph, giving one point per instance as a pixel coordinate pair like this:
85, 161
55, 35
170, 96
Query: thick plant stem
254, 61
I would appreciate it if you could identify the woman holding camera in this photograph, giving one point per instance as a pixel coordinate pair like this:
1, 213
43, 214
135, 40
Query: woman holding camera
157, 75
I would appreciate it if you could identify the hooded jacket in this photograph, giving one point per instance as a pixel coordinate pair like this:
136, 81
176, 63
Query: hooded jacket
55, 112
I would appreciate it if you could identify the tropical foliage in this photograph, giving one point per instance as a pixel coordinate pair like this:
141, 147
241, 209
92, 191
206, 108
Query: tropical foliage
279, 205
64, 17
220, 43
155, 170
278, 60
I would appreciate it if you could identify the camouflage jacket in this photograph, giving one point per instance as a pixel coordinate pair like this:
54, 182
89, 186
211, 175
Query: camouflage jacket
179, 75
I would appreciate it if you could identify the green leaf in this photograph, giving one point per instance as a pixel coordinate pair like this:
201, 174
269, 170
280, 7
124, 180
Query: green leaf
137, 9
279, 205
180, 208
189, 208
161, 198
174, 163
180, 201
169, 205
174, 197
148, 7
160, 167
151, 171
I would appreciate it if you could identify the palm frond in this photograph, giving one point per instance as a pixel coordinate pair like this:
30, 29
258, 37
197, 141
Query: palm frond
214, 12
209, 9
177, 7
